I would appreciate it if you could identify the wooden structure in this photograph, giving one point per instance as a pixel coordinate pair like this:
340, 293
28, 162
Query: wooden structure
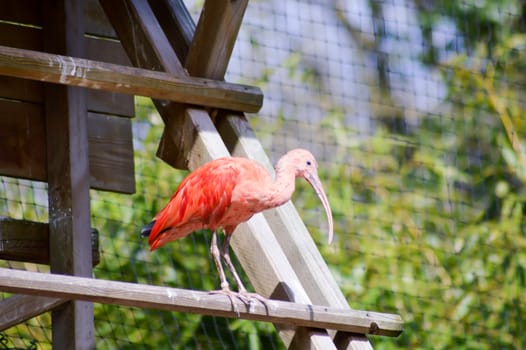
74, 131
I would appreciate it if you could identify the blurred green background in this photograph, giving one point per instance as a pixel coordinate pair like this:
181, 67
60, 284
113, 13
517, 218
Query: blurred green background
415, 110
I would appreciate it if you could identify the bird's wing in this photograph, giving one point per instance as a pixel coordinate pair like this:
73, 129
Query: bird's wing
200, 200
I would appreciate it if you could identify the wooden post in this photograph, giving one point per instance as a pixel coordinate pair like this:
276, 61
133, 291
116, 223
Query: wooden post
68, 175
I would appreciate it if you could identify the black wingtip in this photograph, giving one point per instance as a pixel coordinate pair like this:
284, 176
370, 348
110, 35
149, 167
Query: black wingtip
147, 229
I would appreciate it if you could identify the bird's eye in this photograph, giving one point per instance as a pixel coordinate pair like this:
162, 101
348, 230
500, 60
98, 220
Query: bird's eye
309, 163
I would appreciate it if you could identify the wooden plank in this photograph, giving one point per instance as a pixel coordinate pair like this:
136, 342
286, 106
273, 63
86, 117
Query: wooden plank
111, 152
98, 101
21, 37
68, 175
210, 58
142, 36
24, 241
96, 49
293, 236
148, 47
183, 300
23, 141
28, 12
108, 102
214, 38
197, 140
72, 71
177, 24
266, 265
21, 11
207, 54
20, 308
316, 278
21, 89
28, 241
96, 22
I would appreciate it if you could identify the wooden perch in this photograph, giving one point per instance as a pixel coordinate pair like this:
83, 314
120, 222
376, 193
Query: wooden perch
182, 300
73, 71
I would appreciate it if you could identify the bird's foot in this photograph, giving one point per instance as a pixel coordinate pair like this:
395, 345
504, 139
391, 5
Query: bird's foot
250, 297
246, 297
231, 295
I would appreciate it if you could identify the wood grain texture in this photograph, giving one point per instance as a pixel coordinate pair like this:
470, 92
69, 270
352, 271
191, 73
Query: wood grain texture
142, 36
28, 12
214, 38
293, 237
101, 49
182, 300
28, 241
111, 159
206, 53
20, 308
177, 24
72, 71
68, 175
148, 47
23, 141
262, 258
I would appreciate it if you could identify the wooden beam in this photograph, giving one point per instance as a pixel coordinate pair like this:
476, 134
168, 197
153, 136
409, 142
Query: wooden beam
206, 54
67, 169
28, 241
138, 24
80, 72
101, 49
210, 58
177, 24
293, 236
214, 38
20, 308
263, 260
182, 300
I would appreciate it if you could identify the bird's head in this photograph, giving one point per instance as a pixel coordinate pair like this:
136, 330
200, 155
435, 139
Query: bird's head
306, 166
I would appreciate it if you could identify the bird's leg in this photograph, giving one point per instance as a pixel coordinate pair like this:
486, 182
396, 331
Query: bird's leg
225, 288
226, 257
243, 293
214, 250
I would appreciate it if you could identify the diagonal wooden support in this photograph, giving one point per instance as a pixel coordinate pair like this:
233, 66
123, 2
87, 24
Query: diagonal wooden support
192, 136
254, 242
209, 58
293, 237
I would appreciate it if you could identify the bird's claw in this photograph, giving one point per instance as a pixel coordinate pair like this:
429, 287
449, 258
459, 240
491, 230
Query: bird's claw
246, 298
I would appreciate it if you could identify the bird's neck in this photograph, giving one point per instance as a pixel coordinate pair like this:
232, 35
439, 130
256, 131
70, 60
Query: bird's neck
284, 184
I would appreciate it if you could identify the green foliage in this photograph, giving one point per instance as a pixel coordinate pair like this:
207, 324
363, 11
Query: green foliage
430, 223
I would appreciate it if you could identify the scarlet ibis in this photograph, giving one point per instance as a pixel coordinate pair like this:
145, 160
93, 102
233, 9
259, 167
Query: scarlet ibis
225, 192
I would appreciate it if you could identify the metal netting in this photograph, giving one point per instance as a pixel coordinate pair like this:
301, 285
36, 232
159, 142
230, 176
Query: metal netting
414, 110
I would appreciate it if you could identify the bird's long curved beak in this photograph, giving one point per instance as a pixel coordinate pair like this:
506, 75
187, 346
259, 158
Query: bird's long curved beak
314, 180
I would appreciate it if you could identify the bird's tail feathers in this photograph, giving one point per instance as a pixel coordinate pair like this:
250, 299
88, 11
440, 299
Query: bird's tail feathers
147, 229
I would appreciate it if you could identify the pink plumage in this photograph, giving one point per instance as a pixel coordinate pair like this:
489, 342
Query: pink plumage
228, 191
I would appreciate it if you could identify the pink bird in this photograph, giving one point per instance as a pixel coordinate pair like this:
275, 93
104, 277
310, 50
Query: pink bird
226, 192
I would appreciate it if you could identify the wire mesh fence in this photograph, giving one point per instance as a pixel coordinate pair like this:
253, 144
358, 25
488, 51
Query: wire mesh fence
415, 112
